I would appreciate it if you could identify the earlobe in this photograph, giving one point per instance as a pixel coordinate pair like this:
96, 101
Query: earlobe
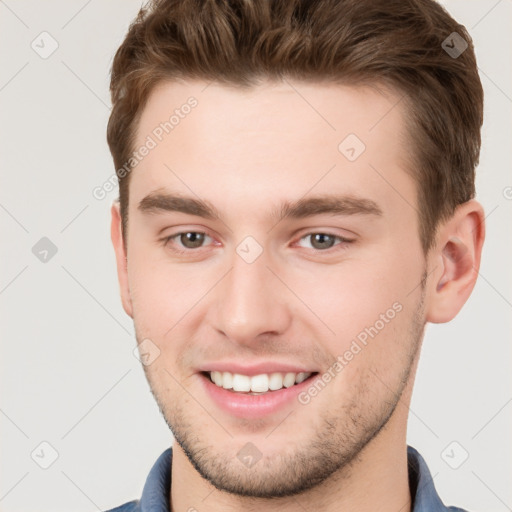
457, 261
121, 258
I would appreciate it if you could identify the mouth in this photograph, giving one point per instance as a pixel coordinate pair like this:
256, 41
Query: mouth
262, 384
253, 397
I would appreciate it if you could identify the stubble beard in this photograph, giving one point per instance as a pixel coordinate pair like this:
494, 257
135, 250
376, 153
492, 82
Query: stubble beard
342, 434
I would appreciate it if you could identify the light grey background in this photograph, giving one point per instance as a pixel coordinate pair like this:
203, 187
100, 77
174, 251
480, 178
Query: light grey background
68, 374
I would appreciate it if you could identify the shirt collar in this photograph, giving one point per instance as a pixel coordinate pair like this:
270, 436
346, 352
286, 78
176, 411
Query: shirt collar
421, 485
155, 496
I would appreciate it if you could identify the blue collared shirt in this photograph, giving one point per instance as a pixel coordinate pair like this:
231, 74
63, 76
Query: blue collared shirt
155, 495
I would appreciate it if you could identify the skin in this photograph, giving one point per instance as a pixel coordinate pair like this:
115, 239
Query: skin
245, 152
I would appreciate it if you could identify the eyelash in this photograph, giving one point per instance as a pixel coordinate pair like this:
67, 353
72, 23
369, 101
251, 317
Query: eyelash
343, 241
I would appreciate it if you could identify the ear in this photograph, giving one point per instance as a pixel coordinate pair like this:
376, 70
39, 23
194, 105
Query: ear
121, 257
456, 261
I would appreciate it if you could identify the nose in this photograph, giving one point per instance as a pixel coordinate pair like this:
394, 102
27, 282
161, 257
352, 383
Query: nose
250, 302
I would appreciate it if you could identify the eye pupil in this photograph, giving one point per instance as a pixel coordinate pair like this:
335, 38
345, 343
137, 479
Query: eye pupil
192, 239
322, 241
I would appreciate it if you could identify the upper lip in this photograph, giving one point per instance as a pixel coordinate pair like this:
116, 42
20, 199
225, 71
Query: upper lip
254, 368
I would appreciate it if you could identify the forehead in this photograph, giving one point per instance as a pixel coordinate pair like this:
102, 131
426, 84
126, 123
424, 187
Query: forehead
277, 139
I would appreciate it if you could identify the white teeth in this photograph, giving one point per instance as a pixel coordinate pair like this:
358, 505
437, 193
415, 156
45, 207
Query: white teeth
289, 380
275, 381
217, 378
241, 382
257, 383
227, 380
302, 376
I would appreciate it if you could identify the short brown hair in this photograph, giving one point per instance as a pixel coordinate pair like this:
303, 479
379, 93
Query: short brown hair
397, 43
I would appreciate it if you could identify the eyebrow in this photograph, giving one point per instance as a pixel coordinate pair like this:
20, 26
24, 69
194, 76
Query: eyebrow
157, 202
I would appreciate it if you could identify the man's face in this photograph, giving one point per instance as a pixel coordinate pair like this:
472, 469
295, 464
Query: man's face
263, 288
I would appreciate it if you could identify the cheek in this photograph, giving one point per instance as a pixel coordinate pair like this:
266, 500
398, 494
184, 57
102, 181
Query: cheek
170, 304
370, 301
161, 293
354, 293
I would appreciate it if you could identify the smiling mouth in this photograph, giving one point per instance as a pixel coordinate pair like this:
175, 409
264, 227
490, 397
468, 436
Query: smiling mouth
257, 384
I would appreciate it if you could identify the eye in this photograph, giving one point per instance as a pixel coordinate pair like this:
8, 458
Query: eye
323, 241
187, 239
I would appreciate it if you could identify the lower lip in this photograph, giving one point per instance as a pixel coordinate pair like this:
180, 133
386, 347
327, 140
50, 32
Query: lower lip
243, 405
